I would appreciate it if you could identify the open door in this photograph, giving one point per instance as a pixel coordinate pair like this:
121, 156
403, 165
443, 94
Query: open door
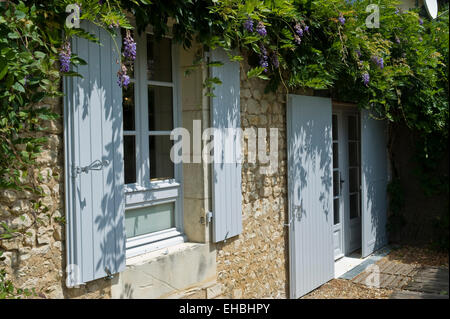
310, 169
374, 172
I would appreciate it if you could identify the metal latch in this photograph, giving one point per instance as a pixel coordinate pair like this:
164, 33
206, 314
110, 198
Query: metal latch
208, 218
94, 166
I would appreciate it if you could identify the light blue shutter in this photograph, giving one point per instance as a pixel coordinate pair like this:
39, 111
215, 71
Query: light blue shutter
225, 115
310, 187
95, 230
374, 174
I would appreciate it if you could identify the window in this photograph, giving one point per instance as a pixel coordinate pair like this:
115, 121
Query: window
152, 181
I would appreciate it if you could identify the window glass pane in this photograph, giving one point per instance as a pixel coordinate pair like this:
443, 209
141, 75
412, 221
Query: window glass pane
129, 157
335, 155
160, 108
161, 166
354, 206
336, 211
336, 183
159, 59
352, 127
147, 220
335, 127
128, 108
353, 179
353, 153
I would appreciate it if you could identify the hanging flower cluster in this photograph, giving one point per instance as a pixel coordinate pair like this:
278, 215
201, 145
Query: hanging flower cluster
123, 79
129, 50
378, 61
341, 19
366, 78
261, 29
248, 25
129, 53
64, 57
263, 58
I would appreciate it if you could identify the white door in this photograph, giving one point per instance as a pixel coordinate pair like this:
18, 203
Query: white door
346, 183
310, 197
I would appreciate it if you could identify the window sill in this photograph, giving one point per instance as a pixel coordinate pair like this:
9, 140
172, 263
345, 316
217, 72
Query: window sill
134, 250
150, 256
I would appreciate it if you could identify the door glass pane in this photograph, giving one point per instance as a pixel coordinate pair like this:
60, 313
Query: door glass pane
352, 128
161, 166
353, 154
147, 220
336, 211
353, 179
354, 206
334, 127
335, 155
159, 59
129, 158
160, 108
128, 108
336, 183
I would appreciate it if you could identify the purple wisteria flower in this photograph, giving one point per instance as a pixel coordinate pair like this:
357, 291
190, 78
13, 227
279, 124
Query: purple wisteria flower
64, 57
397, 40
358, 53
306, 28
261, 29
378, 61
123, 79
298, 29
341, 19
248, 25
366, 78
274, 60
129, 50
297, 39
420, 21
397, 11
263, 58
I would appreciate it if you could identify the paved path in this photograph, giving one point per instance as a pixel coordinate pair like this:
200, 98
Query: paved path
428, 283
407, 280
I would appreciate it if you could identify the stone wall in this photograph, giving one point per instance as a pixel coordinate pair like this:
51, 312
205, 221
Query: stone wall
255, 263
37, 259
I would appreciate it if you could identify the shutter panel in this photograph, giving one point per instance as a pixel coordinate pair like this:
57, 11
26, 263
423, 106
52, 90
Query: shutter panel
310, 197
225, 115
374, 174
93, 135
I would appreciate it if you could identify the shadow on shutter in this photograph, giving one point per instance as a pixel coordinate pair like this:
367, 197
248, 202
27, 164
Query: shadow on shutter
225, 117
94, 187
374, 172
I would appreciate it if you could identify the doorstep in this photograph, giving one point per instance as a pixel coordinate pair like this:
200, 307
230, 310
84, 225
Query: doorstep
348, 267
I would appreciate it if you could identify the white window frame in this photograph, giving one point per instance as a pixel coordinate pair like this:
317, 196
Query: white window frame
147, 193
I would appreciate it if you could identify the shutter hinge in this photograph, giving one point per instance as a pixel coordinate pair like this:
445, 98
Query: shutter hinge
109, 274
95, 166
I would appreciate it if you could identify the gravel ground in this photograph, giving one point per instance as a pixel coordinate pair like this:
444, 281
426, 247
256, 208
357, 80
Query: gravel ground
422, 256
345, 289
